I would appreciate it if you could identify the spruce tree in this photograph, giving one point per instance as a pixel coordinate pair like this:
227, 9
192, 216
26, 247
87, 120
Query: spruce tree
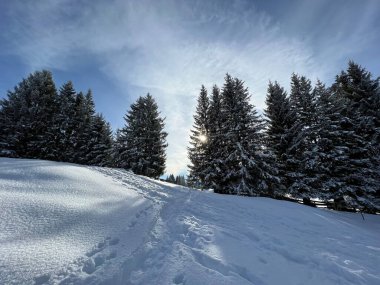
129, 138
303, 135
144, 139
213, 162
328, 161
199, 137
303, 100
245, 168
84, 115
280, 119
100, 143
171, 179
156, 143
66, 121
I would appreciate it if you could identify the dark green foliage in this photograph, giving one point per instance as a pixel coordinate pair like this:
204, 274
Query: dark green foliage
7, 128
36, 122
66, 122
100, 143
359, 94
27, 116
303, 101
329, 147
303, 136
324, 161
321, 143
142, 142
246, 167
234, 159
214, 163
179, 179
170, 178
117, 149
280, 130
84, 114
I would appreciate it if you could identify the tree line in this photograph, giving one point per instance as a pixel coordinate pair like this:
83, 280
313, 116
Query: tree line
37, 121
315, 142
179, 179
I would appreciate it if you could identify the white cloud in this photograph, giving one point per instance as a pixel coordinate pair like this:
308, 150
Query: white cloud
171, 48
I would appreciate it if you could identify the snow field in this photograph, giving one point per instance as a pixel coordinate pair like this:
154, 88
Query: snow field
58, 220
68, 224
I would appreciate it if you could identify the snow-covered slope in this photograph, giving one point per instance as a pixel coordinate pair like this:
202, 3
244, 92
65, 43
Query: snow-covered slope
68, 224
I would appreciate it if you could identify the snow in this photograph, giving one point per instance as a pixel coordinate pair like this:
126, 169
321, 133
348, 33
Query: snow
63, 223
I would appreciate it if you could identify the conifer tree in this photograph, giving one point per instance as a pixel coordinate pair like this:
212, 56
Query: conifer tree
302, 100
303, 135
197, 151
171, 179
180, 180
280, 120
213, 161
144, 139
84, 115
129, 138
326, 155
245, 168
100, 143
66, 122
328, 162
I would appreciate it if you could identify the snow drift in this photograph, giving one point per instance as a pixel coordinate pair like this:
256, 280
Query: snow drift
67, 224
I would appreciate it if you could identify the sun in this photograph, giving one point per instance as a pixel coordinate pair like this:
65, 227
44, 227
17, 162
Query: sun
202, 138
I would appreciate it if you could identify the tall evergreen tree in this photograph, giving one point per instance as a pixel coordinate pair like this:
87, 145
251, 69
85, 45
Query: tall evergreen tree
328, 161
129, 138
144, 139
84, 115
362, 95
213, 161
171, 178
199, 137
66, 122
303, 135
245, 169
280, 121
326, 154
100, 143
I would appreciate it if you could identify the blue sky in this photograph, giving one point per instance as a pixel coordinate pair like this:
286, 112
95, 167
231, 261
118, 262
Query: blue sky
124, 49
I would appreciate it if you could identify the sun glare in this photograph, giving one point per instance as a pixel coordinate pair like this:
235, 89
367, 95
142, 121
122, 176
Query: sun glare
203, 138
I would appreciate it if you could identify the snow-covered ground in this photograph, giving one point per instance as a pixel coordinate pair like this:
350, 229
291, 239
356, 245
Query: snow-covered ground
68, 224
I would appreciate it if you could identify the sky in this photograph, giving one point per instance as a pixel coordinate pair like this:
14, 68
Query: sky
124, 49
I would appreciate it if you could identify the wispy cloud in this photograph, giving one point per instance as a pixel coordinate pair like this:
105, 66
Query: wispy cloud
170, 48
